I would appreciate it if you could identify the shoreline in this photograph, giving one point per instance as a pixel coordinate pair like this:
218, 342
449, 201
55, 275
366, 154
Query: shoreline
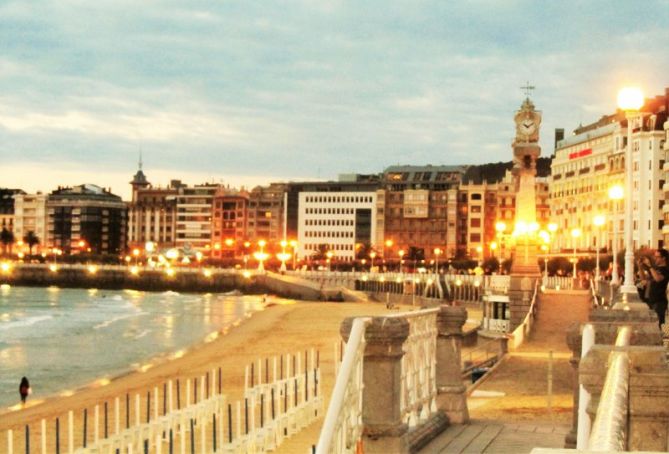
277, 330
136, 367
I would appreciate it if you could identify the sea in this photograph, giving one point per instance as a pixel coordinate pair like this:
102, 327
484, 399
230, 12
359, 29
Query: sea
63, 339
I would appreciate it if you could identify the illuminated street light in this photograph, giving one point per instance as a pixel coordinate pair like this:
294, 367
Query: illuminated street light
401, 254
616, 193
329, 255
598, 221
575, 233
437, 253
630, 100
371, 256
261, 255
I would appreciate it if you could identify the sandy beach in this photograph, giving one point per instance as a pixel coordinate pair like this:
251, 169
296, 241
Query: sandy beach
279, 329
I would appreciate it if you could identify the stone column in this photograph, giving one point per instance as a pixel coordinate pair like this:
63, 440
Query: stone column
452, 397
520, 296
384, 431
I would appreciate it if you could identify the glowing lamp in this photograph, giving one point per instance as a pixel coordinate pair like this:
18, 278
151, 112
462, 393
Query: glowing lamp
630, 98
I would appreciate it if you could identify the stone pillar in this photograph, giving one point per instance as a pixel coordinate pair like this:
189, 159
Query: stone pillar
384, 431
574, 343
648, 400
451, 397
520, 296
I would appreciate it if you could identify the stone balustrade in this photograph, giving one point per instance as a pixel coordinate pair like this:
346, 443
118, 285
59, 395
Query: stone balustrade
411, 379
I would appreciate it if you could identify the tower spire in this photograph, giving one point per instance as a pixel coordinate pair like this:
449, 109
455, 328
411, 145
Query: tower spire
140, 158
528, 89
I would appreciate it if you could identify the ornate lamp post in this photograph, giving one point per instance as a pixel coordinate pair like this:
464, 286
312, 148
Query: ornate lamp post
401, 254
372, 255
437, 253
293, 246
329, 255
598, 221
261, 255
616, 193
630, 100
575, 233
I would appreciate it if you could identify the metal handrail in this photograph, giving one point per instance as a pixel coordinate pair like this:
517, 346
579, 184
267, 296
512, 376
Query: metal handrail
330, 438
609, 431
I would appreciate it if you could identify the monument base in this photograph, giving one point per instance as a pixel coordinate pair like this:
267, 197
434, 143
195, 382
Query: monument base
521, 289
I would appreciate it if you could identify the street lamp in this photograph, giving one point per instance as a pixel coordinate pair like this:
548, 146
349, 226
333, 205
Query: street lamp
261, 256
437, 253
387, 251
479, 251
630, 100
371, 256
329, 255
401, 254
616, 193
575, 233
500, 228
598, 221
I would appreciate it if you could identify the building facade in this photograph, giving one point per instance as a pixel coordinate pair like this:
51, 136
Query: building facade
229, 222
30, 216
152, 213
194, 218
86, 218
416, 210
7, 208
587, 164
337, 222
266, 213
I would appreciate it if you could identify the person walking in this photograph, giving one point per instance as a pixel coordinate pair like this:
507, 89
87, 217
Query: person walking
658, 274
24, 390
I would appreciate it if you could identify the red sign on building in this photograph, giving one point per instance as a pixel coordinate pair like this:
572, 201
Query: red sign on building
580, 154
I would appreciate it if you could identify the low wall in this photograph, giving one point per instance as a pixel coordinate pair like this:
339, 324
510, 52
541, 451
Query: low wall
152, 280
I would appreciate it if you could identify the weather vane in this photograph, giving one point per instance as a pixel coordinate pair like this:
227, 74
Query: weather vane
527, 88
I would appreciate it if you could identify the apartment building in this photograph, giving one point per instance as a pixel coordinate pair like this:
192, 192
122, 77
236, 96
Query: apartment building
152, 213
86, 218
338, 221
194, 217
593, 160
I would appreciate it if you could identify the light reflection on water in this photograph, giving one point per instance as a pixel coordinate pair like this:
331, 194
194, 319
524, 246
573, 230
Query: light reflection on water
62, 339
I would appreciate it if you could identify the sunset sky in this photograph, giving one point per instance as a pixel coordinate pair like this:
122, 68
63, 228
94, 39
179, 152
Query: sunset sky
248, 92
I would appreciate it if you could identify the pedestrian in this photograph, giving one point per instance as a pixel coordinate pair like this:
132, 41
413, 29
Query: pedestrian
658, 274
24, 390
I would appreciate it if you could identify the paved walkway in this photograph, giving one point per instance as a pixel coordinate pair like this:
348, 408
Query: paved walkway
495, 437
511, 410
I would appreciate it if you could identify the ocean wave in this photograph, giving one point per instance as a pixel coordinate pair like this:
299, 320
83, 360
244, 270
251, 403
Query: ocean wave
106, 323
170, 292
21, 323
142, 334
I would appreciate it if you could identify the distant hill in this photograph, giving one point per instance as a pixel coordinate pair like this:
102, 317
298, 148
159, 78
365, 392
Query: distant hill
494, 172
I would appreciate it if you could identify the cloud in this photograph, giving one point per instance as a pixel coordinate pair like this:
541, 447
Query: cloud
305, 88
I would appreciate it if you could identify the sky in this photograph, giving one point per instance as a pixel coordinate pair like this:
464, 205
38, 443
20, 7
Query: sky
248, 92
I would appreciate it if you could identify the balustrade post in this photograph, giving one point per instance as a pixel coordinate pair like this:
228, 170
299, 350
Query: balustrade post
384, 431
451, 398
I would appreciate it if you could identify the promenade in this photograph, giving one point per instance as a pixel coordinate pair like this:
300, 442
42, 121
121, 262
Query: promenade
511, 409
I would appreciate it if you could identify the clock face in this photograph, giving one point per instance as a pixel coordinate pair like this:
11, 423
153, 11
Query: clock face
527, 126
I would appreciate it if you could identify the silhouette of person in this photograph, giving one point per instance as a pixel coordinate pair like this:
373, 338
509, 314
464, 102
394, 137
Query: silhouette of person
24, 389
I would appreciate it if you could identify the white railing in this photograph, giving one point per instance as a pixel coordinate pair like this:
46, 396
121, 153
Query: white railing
419, 367
287, 403
175, 426
558, 282
523, 330
196, 416
342, 428
609, 431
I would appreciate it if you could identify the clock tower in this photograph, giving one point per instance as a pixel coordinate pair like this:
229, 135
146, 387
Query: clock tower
526, 150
